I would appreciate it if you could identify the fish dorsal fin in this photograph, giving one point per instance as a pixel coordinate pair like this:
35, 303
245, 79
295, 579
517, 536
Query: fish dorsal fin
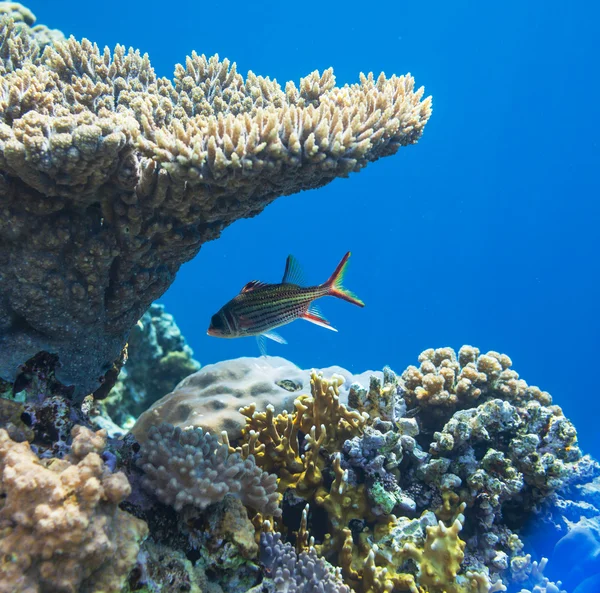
293, 272
315, 316
252, 285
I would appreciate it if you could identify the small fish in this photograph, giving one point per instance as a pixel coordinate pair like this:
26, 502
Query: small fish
259, 308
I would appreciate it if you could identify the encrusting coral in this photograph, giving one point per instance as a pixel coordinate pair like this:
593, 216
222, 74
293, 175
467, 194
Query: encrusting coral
111, 178
61, 529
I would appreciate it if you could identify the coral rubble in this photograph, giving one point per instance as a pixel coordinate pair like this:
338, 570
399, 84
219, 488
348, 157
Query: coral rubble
111, 178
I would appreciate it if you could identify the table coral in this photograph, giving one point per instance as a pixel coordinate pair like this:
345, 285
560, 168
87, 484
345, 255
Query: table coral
111, 178
61, 529
24, 18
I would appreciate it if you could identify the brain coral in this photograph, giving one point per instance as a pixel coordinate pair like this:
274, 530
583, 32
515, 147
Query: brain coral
212, 397
111, 178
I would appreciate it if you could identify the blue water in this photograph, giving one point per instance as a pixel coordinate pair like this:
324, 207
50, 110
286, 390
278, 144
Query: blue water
485, 233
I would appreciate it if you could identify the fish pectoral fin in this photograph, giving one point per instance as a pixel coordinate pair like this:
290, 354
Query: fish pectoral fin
272, 335
262, 344
315, 316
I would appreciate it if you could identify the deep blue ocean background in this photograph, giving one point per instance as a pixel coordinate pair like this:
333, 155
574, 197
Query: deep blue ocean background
485, 233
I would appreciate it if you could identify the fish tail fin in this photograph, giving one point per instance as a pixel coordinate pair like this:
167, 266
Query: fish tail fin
334, 284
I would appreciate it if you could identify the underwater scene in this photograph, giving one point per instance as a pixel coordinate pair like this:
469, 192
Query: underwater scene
299, 298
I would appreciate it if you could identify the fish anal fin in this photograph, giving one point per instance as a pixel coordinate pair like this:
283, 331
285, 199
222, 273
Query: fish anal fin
272, 335
293, 272
252, 285
315, 316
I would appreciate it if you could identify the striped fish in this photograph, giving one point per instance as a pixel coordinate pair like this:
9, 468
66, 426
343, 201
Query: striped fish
259, 308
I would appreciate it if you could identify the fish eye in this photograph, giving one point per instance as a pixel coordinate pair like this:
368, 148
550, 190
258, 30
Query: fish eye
217, 322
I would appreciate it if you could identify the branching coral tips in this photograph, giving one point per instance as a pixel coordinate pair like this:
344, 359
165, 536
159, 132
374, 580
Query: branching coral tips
260, 307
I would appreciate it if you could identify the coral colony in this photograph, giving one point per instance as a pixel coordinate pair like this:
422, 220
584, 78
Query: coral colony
128, 467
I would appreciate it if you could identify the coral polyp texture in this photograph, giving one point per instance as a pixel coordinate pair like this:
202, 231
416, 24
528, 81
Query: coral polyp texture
193, 468
112, 177
297, 573
61, 528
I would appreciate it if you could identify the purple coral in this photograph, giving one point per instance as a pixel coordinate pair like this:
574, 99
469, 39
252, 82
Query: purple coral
297, 573
194, 468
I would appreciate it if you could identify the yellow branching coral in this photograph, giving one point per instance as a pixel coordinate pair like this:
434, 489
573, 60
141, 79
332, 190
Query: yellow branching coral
321, 420
387, 553
440, 559
342, 503
111, 177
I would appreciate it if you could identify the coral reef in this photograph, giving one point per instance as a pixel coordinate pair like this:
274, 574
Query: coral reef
60, 525
463, 436
160, 568
39, 409
191, 467
296, 573
158, 358
225, 539
407, 485
445, 382
111, 178
212, 397
253, 475
542, 583
24, 18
